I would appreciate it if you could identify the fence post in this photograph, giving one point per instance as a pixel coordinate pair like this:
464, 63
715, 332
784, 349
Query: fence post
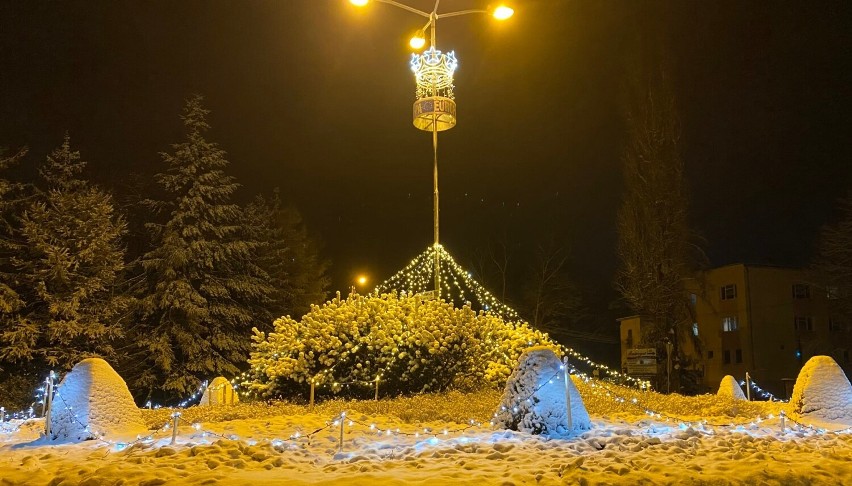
340, 443
313, 386
48, 403
783, 420
377, 388
176, 419
567, 377
748, 386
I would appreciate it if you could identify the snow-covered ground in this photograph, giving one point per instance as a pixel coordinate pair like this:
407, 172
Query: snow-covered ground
256, 444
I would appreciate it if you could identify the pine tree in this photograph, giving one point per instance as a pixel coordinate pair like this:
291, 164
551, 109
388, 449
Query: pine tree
289, 256
68, 267
203, 286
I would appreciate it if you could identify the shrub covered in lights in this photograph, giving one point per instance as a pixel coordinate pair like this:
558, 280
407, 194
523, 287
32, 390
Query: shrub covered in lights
408, 343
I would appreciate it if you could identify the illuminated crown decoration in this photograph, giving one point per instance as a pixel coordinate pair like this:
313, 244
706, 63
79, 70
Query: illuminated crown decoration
435, 108
433, 72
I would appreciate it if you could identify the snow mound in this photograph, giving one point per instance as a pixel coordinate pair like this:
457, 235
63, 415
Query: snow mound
534, 400
730, 388
93, 401
822, 391
219, 392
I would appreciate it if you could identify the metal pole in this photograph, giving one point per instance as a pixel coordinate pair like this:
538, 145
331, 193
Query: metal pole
748, 386
340, 443
567, 376
436, 209
783, 420
176, 420
377, 388
313, 386
48, 404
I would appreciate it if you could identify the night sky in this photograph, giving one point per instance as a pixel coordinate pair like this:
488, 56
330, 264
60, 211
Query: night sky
314, 96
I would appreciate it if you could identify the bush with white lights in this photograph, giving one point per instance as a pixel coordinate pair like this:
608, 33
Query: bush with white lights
409, 343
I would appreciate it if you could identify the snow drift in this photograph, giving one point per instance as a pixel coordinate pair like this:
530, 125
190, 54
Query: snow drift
93, 401
730, 388
822, 391
534, 400
219, 392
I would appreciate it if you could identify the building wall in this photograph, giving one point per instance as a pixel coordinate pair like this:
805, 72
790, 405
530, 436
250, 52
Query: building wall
766, 341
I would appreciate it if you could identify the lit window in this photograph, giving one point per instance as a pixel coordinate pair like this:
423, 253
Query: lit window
803, 323
695, 329
801, 291
729, 323
728, 292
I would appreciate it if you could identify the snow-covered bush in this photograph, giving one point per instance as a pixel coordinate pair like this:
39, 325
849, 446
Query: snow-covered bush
93, 401
411, 344
729, 388
534, 400
219, 392
823, 391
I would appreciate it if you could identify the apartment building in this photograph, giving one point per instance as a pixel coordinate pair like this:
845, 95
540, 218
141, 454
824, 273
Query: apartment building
762, 319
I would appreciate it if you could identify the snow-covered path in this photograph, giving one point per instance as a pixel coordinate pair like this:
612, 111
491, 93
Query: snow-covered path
634, 451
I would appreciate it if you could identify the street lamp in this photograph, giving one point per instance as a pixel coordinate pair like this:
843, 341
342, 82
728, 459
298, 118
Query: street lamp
435, 107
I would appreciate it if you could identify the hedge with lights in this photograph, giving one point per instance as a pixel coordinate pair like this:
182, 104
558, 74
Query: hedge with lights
406, 342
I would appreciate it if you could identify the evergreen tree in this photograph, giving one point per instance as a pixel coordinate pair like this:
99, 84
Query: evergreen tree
289, 256
10, 200
68, 266
203, 287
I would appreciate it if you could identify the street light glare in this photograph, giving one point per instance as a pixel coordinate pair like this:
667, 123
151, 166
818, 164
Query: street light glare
418, 41
502, 12
362, 280
359, 3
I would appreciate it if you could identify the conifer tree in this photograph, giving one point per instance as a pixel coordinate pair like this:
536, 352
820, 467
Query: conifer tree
289, 256
203, 286
9, 200
68, 266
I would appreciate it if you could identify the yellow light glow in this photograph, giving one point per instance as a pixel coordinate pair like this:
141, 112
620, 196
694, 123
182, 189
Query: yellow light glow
418, 41
502, 12
359, 3
362, 280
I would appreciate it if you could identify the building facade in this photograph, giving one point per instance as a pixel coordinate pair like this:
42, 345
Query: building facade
763, 320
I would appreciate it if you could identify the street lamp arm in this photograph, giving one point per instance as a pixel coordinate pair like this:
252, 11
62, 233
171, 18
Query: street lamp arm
460, 12
406, 7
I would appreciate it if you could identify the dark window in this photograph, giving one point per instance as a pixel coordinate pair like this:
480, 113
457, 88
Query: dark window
831, 292
727, 359
835, 325
729, 323
739, 356
728, 292
801, 291
803, 323
629, 338
709, 354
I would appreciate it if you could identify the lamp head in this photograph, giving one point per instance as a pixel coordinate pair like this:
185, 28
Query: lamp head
502, 12
417, 41
359, 3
